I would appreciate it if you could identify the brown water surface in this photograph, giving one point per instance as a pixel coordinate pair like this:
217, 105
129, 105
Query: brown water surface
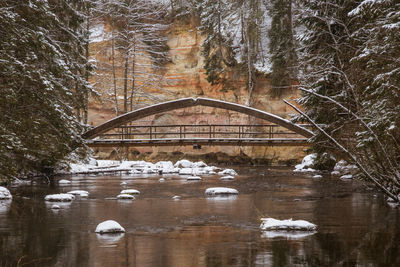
355, 225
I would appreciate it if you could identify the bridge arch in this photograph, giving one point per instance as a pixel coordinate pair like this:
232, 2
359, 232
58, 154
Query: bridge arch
191, 102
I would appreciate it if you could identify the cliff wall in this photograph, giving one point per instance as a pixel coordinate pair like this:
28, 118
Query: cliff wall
185, 77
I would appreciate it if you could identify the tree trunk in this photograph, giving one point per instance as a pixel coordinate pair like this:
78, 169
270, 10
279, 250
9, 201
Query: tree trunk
113, 73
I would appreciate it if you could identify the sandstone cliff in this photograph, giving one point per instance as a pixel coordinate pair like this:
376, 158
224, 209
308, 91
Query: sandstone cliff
185, 77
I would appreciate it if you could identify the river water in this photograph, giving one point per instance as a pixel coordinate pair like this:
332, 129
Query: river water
355, 225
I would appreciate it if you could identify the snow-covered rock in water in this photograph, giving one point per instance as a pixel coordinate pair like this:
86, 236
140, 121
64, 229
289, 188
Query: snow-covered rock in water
60, 198
5, 193
164, 165
176, 197
221, 191
125, 196
199, 171
150, 171
64, 182
134, 171
227, 172
123, 183
161, 180
335, 173
199, 164
184, 164
55, 207
81, 193
306, 164
227, 178
193, 178
274, 224
186, 171
343, 167
109, 226
346, 177
317, 176
130, 191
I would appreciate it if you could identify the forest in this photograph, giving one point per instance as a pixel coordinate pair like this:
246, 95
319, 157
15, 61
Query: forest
344, 57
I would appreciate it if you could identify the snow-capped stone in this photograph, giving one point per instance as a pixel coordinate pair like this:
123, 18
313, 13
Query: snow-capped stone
274, 224
184, 163
164, 165
123, 183
5, 193
64, 182
55, 207
176, 197
161, 180
81, 193
228, 172
186, 171
335, 173
221, 191
199, 164
109, 226
130, 191
134, 171
125, 196
343, 167
193, 178
317, 176
347, 176
60, 198
227, 177
306, 163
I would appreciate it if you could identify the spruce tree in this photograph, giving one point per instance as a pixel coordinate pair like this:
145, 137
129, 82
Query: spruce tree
283, 56
40, 67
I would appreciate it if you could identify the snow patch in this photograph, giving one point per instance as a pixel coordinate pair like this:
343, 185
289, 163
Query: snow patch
125, 196
130, 192
5, 193
221, 191
60, 198
81, 193
109, 226
228, 172
274, 224
64, 182
306, 163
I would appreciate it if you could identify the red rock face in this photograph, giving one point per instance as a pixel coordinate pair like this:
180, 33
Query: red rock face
186, 78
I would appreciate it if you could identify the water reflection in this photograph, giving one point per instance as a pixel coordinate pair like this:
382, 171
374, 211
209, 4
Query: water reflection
353, 227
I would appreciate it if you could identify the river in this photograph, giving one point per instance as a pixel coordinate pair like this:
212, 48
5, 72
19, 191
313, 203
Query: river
355, 225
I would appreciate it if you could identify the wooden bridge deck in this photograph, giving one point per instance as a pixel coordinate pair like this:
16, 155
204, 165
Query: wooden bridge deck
198, 141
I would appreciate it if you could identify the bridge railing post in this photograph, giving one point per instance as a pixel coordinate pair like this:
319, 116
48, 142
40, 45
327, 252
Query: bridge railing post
180, 131
151, 135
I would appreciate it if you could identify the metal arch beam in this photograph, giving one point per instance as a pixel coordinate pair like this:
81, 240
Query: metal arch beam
190, 102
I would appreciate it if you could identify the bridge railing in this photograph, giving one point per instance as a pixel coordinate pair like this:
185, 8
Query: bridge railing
210, 131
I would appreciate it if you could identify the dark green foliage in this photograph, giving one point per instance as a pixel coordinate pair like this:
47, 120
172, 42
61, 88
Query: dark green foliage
41, 66
283, 56
350, 52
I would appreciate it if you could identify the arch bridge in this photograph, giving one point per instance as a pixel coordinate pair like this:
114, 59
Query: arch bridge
120, 132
